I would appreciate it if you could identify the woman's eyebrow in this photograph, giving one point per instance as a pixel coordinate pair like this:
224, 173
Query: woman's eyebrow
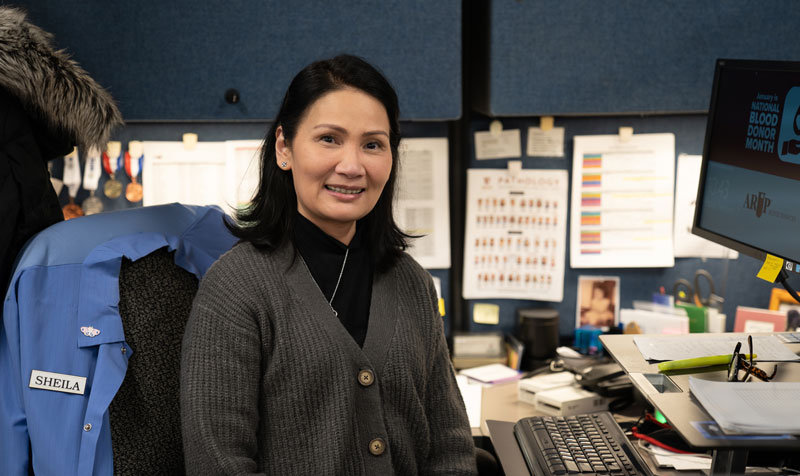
331, 126
342, 130
378, 132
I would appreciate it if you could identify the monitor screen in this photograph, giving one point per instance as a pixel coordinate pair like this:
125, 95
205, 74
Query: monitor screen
749, 193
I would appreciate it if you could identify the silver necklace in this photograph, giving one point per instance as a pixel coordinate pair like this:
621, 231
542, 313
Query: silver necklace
341, 272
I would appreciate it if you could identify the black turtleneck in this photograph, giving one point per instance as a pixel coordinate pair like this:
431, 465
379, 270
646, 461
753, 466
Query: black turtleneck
324, 257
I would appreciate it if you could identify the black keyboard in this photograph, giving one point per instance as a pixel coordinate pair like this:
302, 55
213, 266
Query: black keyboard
587, 444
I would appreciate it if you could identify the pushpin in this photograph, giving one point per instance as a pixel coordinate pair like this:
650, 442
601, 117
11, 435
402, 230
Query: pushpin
189, 141
495, 127
625, 134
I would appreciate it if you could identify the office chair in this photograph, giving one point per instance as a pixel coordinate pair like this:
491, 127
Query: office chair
486, 462
155, 299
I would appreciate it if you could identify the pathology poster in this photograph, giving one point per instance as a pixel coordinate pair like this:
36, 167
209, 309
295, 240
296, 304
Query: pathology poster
515, 234
622, 198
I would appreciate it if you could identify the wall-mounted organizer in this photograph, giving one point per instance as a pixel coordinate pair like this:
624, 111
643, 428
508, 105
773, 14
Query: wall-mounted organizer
603, 57
232, 60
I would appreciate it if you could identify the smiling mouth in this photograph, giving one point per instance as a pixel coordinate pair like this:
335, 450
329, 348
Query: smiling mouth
346, 191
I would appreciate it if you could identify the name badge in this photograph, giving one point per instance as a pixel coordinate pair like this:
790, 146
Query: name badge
57, 382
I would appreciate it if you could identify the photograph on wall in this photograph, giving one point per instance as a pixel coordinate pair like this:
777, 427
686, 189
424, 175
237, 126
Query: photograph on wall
598, 301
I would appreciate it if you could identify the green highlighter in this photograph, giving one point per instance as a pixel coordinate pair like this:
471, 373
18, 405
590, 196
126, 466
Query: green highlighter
698, 362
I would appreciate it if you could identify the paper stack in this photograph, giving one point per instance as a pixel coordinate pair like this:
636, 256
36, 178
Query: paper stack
655, 319
768, 348
761, 408
493, 373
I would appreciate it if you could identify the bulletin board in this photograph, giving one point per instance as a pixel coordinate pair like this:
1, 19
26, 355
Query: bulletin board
736, 279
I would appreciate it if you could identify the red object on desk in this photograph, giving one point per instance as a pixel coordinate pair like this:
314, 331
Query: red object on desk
760, 320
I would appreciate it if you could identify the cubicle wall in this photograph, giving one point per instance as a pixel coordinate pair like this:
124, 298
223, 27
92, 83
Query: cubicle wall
590, 57
175, 60
600, 65
595, 65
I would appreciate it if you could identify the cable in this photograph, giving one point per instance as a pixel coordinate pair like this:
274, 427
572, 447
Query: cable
643, 444
782, 277
616, 406
648, 418
654, 441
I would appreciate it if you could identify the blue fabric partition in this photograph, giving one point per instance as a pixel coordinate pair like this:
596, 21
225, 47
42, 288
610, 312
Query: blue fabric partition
175, 60
550, 57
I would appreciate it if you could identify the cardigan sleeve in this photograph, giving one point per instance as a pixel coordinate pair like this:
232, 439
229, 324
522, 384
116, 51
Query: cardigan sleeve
452, 450
220, 374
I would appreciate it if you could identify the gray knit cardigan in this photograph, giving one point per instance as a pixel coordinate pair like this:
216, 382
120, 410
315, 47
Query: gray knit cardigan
270, 377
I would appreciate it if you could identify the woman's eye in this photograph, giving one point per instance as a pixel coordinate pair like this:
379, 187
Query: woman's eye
328, 139
374, 146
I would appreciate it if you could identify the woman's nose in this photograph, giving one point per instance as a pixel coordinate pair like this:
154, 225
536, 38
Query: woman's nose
350, 162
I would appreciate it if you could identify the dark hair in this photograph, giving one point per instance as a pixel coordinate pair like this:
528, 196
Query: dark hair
604, 286
267, 220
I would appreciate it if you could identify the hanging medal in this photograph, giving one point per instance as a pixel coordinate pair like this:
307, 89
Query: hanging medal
91, 177
57, 183
112, 158
133, 163
72, 179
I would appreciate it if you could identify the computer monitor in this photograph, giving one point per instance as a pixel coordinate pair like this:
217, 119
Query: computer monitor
749, 193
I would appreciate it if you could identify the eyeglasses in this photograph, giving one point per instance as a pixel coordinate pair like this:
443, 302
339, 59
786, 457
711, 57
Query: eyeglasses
740, 362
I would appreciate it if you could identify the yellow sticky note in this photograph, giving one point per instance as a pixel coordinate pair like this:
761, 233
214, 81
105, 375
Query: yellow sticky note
770, 269
486, 313
441, 306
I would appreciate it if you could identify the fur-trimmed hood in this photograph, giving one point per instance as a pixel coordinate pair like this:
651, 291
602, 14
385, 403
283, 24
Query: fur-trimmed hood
50, 85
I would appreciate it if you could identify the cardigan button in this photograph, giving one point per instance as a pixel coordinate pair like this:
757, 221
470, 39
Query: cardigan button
377, 446
366, 377
87, 427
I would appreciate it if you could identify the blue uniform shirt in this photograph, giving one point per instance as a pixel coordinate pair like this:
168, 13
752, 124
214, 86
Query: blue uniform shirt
61, 316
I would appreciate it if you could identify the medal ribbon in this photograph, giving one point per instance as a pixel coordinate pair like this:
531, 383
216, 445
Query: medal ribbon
132, 167
91, 173
111, 166
72, 173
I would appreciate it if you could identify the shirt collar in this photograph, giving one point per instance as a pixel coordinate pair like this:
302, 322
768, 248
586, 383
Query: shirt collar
196, 248
98, 303
308, 236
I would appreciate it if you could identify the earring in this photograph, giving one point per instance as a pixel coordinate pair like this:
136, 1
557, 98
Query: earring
283, 165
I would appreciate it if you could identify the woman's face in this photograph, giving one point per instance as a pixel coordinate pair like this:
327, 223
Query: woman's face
340, 160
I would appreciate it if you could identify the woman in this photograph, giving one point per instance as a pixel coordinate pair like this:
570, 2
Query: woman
314, 346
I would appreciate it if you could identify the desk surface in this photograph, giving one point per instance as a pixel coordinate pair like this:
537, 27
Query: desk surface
680, 408
499, 402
